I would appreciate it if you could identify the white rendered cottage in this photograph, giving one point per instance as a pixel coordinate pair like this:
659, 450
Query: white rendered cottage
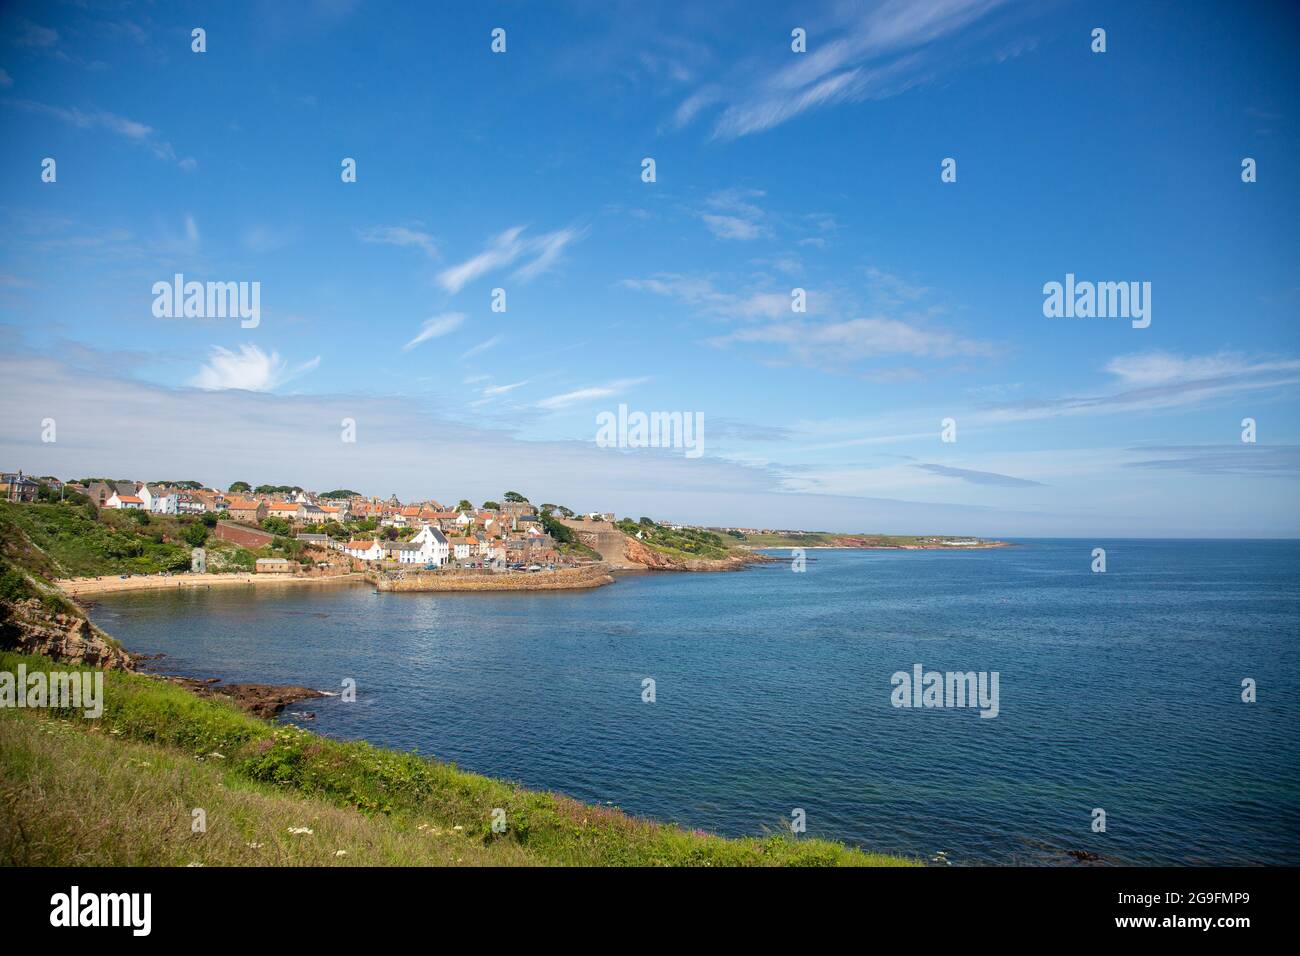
433, 546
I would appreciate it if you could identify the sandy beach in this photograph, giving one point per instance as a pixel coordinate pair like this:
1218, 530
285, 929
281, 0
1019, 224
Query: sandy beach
76, 587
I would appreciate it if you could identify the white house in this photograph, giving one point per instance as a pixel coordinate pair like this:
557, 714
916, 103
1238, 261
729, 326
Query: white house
434, 548
403, 552
191, 505
365, 550
124, 501
146, 496
157, 502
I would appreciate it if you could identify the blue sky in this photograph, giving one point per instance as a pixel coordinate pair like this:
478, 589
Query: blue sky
775, 170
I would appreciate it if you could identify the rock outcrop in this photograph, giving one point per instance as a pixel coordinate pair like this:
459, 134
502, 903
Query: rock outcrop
261, 700
33, 628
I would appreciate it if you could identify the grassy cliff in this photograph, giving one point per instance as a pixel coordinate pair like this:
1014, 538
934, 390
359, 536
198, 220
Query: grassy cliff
67, 540
122, 790
684, 543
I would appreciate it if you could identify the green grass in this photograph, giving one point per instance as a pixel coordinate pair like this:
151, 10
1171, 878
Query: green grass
60, 540
65, 540
148, 761
71, 795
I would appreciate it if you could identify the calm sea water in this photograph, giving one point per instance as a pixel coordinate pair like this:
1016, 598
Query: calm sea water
1119, 691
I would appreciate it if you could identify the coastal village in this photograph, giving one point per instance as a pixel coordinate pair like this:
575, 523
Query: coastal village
340, 528
113, 534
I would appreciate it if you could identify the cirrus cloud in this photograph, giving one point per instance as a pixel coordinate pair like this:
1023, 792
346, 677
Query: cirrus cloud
249, 369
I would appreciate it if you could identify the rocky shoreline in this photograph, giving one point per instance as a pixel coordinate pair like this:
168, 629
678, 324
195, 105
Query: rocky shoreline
34, 628
260, 700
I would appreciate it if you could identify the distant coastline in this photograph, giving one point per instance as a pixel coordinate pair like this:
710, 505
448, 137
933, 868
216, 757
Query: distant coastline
815, 540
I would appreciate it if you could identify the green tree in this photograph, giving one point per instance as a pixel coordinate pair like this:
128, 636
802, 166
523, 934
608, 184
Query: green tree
275, 525
276, 489
464, 505
491, 506
240, 488
209, 519
196, 534
560, 532
564, 512
515, 497
140, 516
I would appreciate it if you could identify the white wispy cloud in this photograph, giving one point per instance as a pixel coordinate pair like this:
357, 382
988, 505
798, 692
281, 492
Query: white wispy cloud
502, 250
547, 250
858, 52
133, 130
734, 215
187, 243
828, 334
731, 227
495, 390
702, 294
589, 393
543, 252
1142, 369
249, 369
1159, 381
482, 347
856, 339
435, 327
402, 236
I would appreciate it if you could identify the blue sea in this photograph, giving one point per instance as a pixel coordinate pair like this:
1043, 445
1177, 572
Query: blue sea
1118, 691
